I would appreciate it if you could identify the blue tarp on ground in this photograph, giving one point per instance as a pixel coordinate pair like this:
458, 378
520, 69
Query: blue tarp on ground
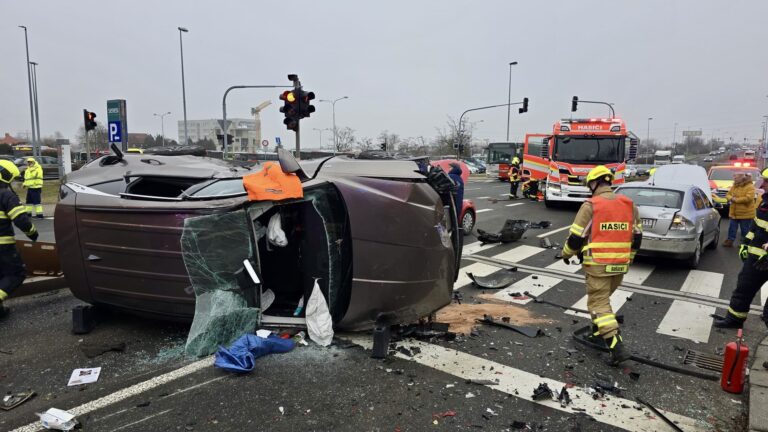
242, 354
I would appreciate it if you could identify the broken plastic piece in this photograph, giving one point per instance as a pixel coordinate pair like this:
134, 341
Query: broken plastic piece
564, 397
525, 331
482, 382
545, 243
658, 413
542, 392
57, 419
512, 230
381, 336
497, 280
12, 400
516, 424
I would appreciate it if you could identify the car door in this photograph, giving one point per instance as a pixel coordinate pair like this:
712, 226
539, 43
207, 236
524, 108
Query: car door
704, 215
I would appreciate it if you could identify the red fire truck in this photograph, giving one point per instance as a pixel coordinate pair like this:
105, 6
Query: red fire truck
561, 161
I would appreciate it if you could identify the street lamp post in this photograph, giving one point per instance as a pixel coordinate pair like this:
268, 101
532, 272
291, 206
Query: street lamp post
321, 135
335, 132
183, 88
648, 132
162, 124
36, 150
509, 96
29, 82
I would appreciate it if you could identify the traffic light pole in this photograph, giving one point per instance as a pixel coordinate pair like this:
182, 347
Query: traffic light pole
461, 119
224, 109
298, 141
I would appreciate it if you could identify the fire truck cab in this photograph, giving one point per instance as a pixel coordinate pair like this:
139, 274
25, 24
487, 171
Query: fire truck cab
560, 161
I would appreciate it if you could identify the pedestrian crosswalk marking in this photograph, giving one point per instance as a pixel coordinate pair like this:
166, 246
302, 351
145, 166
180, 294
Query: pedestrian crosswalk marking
690, 320
476, 247
514, 204
536, 285
483, 197
483, 210
637, 274
763, 293
477, 269
518, 254
518, 383
553, 231
562, 266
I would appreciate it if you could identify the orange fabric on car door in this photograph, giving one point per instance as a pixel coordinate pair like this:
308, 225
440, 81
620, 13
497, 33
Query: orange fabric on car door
272, 184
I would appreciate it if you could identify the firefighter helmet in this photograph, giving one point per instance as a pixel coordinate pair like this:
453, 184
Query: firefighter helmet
8, 171
515, 160
600, 172
764, 174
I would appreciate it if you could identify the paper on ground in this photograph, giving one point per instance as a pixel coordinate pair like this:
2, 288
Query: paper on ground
84, 376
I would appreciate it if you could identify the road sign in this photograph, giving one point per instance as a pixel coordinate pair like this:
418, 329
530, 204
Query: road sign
115, 132
277, 140
694, 133
117, 120
265, 143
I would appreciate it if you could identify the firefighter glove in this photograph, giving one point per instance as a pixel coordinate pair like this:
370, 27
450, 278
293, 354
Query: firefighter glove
743, 254
580, 256
34, 236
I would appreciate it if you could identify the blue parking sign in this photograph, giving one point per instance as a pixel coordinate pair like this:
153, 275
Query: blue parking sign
115, 132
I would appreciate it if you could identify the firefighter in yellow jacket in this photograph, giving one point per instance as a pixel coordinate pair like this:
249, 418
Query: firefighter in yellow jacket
33, 181
605, 237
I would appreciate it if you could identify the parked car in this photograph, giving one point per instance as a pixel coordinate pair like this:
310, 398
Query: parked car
708, 159
360, 227
50, 166
630, 170
643, 170
679, 219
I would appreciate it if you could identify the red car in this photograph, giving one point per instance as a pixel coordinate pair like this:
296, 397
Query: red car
468, 216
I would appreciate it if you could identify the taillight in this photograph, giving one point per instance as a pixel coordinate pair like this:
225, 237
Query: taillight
680, 223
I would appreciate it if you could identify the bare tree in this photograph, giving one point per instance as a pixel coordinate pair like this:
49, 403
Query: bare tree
365, 144
393, 140
452, 135
97, 138
345, 138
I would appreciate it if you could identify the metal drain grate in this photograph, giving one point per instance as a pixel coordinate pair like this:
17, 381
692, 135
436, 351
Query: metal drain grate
703, 360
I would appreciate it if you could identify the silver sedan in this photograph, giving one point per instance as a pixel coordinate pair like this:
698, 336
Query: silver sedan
679, 220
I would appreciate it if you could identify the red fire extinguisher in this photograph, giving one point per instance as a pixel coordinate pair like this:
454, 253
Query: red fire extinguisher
734, 365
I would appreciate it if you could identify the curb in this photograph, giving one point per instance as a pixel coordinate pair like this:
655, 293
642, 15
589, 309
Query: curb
758, 390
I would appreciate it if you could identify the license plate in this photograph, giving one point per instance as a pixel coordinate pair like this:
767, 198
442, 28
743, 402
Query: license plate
648, 223
616, 268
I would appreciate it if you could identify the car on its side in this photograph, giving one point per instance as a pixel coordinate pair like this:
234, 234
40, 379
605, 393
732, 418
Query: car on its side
146, 233
679, 219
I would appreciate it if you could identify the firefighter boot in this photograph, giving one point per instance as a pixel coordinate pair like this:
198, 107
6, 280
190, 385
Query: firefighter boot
619, 352
729, 321
594, 337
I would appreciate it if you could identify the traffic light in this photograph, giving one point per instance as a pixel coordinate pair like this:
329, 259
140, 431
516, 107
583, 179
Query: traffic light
524, 107
574, 103
305, 103
290, 109
89, 118
383, 146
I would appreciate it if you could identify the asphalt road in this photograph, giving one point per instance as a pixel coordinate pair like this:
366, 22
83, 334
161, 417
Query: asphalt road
151, 386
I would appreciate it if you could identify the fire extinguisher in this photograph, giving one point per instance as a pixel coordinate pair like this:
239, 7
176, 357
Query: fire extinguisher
734, 365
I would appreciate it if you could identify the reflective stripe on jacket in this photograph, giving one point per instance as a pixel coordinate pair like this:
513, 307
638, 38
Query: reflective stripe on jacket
514, 173
33, 176
610, 237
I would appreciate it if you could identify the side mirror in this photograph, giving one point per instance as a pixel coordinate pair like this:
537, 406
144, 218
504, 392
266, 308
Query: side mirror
289, 164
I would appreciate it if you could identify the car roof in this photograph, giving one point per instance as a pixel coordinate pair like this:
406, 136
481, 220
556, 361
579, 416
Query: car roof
668, 186
681, 174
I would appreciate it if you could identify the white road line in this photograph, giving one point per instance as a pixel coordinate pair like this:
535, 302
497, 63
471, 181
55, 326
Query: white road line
483, 197
574, 267
689, 320
142, 420
637, 273
514, 204
518, 254
483, 210
553, 231
471, 189
519, 383
128, 392
763, 293
476, 247
477, 269
534, 284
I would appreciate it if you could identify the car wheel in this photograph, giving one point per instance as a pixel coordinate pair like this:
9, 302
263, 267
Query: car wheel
548, 203
715, 240
693, 261
468, 222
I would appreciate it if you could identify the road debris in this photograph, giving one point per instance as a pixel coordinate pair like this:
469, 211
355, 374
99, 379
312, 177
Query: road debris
512, 230
497, 280
661, 416
461, 317
525, 331
84, 376
482, 381
12, 400
449, 413
57, 419
92, 349
517, 424
542, 392
319, 321
564, 397
469, 395
242, 354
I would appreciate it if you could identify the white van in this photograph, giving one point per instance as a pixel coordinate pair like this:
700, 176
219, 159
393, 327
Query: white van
678, 159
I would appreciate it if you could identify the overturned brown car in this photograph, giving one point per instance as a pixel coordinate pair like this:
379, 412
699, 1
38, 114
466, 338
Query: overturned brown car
383, 243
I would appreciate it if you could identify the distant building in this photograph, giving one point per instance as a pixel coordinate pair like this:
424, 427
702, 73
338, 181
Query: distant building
8, 139
242, 130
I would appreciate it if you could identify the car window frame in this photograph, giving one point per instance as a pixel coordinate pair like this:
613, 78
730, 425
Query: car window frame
699, 200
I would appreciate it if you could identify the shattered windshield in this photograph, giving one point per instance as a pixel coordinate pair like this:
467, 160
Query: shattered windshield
589, 149
224, 187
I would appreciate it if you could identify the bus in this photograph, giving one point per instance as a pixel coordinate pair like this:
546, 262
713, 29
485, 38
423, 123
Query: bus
498, 157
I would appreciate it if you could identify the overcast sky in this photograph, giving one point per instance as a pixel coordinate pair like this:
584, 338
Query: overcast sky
405, 65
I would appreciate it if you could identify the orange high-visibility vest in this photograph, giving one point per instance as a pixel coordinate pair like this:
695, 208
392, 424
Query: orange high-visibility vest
610, 240
272, 184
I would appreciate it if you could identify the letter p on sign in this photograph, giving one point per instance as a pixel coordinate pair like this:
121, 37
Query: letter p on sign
114, 132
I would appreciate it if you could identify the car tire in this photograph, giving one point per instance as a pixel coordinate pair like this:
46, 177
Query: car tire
693, 261
468, 222
715, 240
